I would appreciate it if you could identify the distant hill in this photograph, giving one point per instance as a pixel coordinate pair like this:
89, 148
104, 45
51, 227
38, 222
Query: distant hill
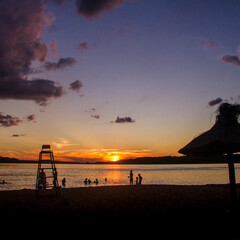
179, 160
8, 160
145, 160
13, 160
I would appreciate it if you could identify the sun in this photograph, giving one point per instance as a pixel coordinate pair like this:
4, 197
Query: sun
115, 158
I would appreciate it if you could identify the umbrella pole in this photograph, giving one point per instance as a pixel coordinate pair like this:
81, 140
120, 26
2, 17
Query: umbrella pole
232, 178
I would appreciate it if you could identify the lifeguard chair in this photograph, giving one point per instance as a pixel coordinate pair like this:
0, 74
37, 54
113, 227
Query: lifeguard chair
47, 172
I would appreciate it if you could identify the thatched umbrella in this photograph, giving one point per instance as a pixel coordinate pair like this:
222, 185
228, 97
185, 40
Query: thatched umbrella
222, 138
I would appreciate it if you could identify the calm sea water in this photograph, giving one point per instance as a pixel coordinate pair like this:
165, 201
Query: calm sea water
20, 176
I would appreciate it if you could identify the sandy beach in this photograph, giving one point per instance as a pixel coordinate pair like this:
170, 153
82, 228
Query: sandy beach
200, 207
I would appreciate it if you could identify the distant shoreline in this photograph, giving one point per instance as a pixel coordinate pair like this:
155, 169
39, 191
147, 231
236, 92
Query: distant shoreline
144, 160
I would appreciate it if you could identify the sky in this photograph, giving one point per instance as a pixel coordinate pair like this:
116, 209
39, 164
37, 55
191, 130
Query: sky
104, 80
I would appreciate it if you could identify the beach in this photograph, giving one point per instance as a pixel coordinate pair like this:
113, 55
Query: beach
198, 206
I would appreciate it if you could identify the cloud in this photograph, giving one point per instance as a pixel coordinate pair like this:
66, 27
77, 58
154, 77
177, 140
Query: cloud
18, 135
231, 59
94, 8
39, 90
97, 116
123, 120
76, 86
215, 102
62, 142
61, 64
91, 110
8, 120
83, 46
31, 117
21, 24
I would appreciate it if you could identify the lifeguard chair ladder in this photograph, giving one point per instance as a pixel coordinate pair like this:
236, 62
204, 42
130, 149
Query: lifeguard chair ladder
47, 172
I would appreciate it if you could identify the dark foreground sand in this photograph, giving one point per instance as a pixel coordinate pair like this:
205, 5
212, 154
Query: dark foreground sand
179, 210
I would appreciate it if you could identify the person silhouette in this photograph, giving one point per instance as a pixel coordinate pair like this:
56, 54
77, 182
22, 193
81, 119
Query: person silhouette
42, 180
131, 177
55, 177
64, 182
140, 179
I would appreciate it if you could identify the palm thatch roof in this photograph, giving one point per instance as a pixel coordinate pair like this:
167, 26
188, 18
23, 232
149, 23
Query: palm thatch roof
222, 138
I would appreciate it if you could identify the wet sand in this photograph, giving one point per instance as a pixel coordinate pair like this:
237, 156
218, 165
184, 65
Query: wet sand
199, 208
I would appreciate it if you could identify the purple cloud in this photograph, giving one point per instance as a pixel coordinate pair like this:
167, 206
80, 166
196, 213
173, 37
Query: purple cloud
31, 117
39, 90
76, 86
215, 102
83, 46
97, 116
231, 59
8, 120
91, 9
61, 64
123, 120
21, 24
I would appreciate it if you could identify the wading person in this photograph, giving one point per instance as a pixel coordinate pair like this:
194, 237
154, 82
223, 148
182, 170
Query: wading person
140, 179
131, 177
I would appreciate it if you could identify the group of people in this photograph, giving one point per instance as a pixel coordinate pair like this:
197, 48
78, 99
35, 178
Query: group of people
42, 180
138, 178
88, 181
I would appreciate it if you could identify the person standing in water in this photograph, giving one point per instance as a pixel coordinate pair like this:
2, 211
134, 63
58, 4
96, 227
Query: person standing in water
64, 182
131, 177
140, 179
136, 180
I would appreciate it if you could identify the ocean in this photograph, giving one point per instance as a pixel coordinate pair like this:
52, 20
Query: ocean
23, 176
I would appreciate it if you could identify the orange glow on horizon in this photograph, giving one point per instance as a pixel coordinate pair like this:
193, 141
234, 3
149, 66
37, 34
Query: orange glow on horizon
84, 155
115, 158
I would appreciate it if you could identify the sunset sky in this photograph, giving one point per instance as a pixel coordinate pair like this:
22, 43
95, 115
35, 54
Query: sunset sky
114, 79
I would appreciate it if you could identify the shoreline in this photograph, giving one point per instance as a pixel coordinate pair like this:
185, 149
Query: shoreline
93, 185
125, 196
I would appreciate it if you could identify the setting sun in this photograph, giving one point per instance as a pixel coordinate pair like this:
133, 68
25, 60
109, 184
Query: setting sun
115, 158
